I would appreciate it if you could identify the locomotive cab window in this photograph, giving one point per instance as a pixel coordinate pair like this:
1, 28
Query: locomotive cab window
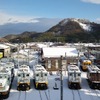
79, 74
5, 76
27, 74
0, 76
41, 74
37, 74
23, 75
8, 78
70, 74
19, 75
45, 74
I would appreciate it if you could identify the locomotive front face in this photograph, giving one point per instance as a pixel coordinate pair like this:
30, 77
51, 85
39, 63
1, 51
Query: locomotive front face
74, 80
4, 83
23, 78
75, 77
23, 81
85, 64
41, 79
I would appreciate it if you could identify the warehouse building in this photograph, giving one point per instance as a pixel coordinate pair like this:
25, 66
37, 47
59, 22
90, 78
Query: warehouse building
51, 57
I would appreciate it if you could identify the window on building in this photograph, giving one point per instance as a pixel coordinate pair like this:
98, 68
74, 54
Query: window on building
49, 63
64, 63
56, 63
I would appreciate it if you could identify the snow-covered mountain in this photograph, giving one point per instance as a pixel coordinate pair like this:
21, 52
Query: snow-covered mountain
85, 24
18, 25
67, 30
75, 25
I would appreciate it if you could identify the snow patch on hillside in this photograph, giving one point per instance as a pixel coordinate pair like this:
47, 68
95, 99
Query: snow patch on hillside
84, 24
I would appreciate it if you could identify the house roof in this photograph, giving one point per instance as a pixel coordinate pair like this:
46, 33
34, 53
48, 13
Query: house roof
59, 51
3, 46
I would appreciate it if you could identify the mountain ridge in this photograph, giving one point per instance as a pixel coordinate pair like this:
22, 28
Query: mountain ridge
67, 30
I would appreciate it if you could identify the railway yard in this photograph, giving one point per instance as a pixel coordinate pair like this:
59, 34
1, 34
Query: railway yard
53, 91
85, 93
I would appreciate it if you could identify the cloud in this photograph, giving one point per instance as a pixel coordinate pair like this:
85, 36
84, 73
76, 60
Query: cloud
17, 24
92, 1
6, 18
98, 20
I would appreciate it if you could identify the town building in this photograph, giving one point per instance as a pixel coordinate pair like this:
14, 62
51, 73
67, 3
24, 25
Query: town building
51, 57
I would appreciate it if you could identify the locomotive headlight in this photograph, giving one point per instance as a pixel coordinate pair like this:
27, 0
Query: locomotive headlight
79, 74
28, 83
4, 93
46, 82
19, 83
36, 84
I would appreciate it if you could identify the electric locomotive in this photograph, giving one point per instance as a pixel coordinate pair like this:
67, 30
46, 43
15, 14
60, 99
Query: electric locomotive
5, 82
84, 62
40, 77
23, 78
93, 76
74, 77
10, 67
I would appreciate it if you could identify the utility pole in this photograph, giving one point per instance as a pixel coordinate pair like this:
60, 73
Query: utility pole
28, 57
18, 52
66, 63
61, 92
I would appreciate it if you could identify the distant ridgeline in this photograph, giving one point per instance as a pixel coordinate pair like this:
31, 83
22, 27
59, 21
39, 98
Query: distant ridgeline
68, 30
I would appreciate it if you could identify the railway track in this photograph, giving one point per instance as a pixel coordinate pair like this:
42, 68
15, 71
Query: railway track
46, 93
73, 95
40, 95
25, 95
78, 94
20, 94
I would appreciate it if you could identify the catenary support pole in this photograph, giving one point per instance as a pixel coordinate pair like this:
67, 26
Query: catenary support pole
61, 98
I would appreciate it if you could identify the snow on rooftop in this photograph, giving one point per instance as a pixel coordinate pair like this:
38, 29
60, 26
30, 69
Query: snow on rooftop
41, 45
91, 45
58, 51
3, 46
9, 44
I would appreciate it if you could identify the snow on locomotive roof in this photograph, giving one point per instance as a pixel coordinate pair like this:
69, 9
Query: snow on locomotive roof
59, 51
93, 68
3, 70
72, 68
39, 68
24, 68
10, 64
86, 60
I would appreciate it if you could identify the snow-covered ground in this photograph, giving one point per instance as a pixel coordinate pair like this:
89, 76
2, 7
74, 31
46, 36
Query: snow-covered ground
85, 93
50, 94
